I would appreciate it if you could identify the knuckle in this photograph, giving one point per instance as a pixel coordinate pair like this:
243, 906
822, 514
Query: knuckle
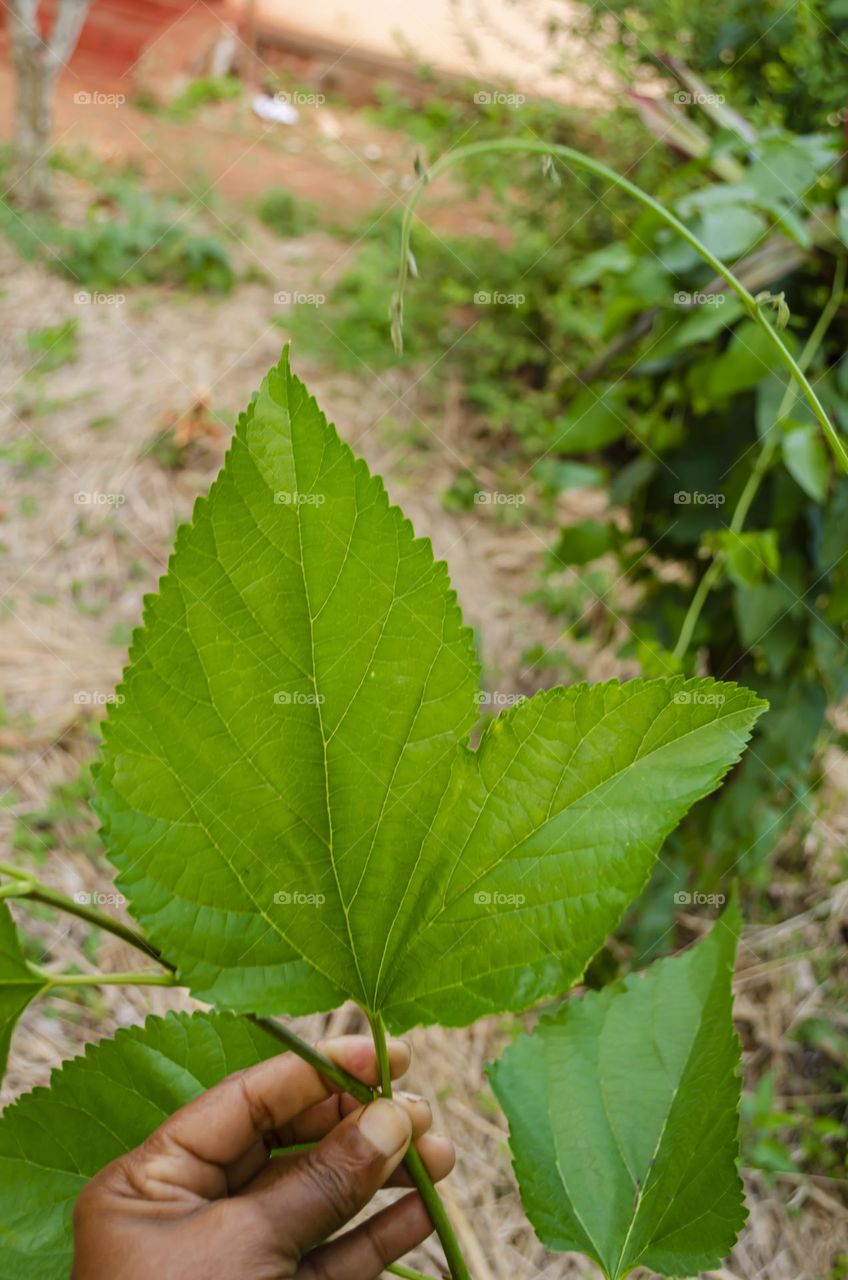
261, 1116
135, 1169
381, 1254
85, 1207
336, 1181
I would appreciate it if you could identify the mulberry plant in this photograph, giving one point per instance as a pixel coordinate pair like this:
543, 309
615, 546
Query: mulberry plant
297, 817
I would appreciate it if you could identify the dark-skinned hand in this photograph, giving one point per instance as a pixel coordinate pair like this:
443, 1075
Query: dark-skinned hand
203, 1198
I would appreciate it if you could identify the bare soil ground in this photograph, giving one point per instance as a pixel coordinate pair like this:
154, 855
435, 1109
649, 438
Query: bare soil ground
74, 572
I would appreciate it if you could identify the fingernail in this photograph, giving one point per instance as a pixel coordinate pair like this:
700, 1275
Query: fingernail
416, 1098
386, 1126
400, 1046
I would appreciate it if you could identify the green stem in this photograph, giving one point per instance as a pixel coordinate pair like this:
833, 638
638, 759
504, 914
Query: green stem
28, 887
763, 462
416, 1168
397, 1269
378, 1031
512, 145
324, 1066
130, 979
17, 889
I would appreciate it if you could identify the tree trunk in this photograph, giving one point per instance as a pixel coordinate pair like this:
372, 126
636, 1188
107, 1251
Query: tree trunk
37, 62
31, 176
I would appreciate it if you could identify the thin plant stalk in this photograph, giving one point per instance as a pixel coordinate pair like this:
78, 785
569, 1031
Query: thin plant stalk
398, 1269
141, 978
581, 161
381, 1047
28, 887
763, 461
417, 1170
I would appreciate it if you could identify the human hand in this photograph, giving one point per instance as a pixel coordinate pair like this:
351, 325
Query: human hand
203, 1196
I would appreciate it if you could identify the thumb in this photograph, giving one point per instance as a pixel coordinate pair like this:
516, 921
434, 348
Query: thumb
309, 1198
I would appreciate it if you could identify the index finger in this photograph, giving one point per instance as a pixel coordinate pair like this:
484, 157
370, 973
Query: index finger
222, 1124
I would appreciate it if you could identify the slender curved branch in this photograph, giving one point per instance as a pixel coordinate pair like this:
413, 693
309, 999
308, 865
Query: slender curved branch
29, 887
763, 462
581, 161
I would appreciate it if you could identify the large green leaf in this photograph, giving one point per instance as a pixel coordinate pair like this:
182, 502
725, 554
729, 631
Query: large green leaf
286, 789
623, 1116
18, 983
291, 714
97, 1108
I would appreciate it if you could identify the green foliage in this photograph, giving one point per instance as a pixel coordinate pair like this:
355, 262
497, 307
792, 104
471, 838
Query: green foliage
64, 821
712, 417
26, 455
788, 1135
495, 311
129, 237
203, 91
805, 458
630, 361
18, 984
581, 543
783, 64
97, 1108
623, 1116
335, 705
285, 214
146, 243
53, 346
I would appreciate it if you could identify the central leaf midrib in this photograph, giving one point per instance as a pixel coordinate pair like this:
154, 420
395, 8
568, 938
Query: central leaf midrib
320, 716
409, 880
652, 1163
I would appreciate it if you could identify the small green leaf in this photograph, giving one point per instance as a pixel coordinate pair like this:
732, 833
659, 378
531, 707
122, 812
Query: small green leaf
594, 420
559, 477
615, 258
716, 313
749, 558
581, 543
97, 1108
623, 1113
786, 166
749, 358
806, 459
18, 984
731, 230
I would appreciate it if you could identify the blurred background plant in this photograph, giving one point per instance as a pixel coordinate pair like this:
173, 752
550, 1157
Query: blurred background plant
123, 235
598, 351
782, 63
